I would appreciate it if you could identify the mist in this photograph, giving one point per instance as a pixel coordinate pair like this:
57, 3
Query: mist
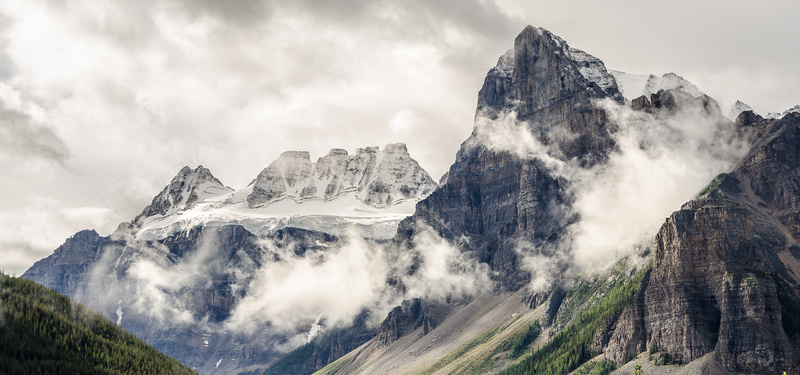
278, 291
662, 159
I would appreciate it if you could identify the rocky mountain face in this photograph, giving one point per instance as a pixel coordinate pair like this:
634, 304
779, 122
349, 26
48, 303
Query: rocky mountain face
719, 282
496, 198
178, 288
186, 188
726, 267
378, 178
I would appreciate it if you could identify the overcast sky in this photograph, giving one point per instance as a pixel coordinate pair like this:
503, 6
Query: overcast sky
102, 102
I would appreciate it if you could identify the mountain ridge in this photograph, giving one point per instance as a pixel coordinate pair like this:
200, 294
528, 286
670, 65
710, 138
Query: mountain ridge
552, 130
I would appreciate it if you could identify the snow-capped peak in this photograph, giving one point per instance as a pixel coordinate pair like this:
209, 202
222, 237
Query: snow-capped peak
378, 179
633, 86
737, 108
370, 192
670, 81
593, 69
590, 67
187, 188
776, 115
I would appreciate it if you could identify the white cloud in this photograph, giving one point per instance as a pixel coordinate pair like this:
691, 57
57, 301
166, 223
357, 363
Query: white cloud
662, 160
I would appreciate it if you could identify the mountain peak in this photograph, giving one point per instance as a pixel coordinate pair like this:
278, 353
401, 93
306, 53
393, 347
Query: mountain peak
737, 108
552, 87
187, 188
377, 178
670, 81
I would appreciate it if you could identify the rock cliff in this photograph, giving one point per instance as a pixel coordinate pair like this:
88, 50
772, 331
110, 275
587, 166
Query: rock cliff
726, 267
494, 198
378, 178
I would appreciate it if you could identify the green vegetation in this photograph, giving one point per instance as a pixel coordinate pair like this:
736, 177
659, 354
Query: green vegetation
603, 367
43, 332
571, 347
519, 340
461, 350
335, 366
296, 359
661, 357
713, 185
526, 339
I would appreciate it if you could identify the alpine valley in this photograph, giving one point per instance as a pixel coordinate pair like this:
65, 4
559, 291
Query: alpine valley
594, 222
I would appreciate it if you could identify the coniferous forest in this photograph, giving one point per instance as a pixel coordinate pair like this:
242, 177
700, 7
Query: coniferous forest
43, 332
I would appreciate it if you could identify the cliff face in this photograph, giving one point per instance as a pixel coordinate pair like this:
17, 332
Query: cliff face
378, 178
493, 199
66, 268
726, 267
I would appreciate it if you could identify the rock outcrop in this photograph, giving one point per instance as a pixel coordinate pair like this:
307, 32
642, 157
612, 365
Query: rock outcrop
494, 199
66, 268
378, 178
726, 268
186, 188
409, 316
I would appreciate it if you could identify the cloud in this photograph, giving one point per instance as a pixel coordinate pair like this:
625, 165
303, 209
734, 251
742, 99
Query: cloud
25, 239
23, 132
279, 292
662, 160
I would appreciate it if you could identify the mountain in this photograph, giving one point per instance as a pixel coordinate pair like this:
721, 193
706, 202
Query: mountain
43, 332
176, 274
369, 191
715, 287
635, 85
544, 249
727, 265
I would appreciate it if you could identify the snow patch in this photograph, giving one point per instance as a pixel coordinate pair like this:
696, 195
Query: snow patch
316, 329
737, 108
119, 313
633, 86
630, 85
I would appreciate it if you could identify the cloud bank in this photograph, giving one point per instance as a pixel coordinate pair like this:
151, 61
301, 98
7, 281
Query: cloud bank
278, 291
662, 159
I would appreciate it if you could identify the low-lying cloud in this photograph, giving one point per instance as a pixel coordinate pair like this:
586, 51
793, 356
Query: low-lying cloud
662, 159
289, 291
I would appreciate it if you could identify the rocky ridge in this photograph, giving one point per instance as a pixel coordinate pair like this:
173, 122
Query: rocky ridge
378, 178
191, 234
726, 267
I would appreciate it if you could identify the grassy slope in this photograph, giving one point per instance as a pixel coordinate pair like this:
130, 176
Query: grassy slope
43, 332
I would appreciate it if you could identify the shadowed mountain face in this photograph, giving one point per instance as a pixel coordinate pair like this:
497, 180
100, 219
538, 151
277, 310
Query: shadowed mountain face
726, 267
552, 130
176, 275
494, 198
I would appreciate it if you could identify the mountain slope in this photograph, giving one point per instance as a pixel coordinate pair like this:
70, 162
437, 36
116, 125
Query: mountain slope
42, 332
183, 274
369, 191
512, 200
727, 267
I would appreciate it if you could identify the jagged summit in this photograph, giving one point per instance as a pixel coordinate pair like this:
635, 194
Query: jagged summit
633, 86
776, 115
187, 188
737, 108
542, 68
371, 190
378, 178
